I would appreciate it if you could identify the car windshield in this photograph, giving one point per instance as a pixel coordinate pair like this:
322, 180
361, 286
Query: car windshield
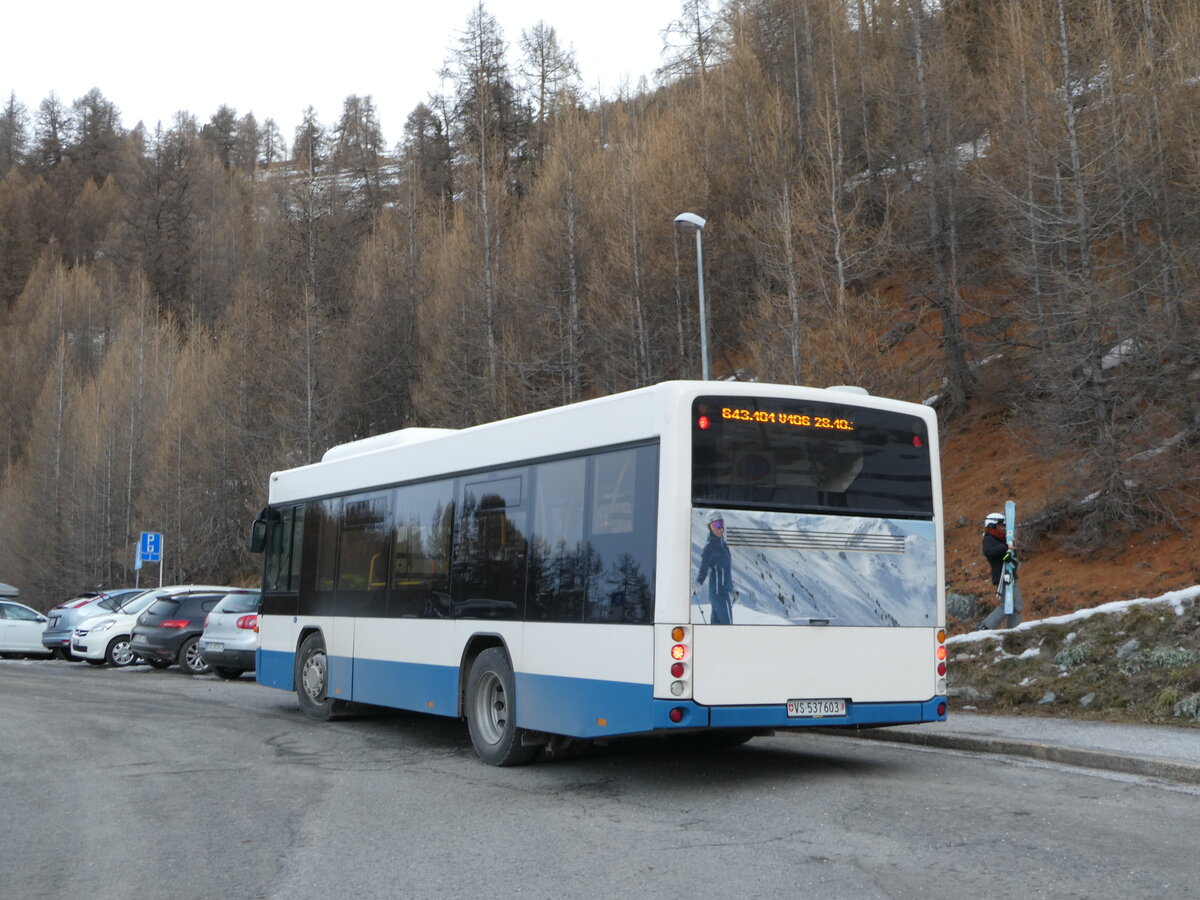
241, 602
135, 603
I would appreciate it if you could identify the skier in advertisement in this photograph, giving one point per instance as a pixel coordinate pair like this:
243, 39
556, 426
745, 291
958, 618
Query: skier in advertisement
998, 551
715, 566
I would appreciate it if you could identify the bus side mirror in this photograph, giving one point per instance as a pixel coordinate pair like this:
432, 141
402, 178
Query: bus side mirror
258, 533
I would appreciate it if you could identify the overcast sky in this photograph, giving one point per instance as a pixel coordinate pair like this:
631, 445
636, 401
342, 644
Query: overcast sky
273, 59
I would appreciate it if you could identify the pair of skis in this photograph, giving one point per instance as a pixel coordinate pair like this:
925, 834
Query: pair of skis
1008, 572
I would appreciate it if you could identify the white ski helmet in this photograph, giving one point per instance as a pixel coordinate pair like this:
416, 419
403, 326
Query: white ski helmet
993, 519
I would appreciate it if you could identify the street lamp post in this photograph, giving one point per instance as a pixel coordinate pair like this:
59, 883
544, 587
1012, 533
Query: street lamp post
692, 222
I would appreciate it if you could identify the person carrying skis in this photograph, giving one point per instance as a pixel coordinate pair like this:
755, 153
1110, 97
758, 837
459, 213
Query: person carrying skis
998, 551
715, 565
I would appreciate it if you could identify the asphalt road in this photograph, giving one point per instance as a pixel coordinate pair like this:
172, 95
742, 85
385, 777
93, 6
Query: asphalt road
136, 782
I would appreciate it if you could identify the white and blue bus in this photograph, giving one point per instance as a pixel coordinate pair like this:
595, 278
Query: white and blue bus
733, 558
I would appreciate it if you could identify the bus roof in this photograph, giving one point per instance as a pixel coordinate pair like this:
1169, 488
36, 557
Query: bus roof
643, 414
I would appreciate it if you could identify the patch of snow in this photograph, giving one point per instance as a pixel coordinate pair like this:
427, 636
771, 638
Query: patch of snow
1175, 598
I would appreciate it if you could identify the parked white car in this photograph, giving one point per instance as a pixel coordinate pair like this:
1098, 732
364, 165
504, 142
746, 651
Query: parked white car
21, 630
105, 638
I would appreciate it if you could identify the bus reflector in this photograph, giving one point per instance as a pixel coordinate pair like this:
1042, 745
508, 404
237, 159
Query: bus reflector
941, 668
677, 669
675, 715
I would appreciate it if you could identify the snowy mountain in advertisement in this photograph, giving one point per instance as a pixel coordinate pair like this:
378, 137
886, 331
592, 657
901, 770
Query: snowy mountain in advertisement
804, 569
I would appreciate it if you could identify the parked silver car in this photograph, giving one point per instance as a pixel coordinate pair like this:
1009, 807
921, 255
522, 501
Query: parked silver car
231, 635
66, 616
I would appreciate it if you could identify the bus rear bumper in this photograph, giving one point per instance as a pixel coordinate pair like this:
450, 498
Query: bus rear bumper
693, 715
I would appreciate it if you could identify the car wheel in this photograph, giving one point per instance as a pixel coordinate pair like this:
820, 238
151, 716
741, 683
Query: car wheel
226, 672
119, 654
93, 662
491, 711
159, 663
190, 659
312, 681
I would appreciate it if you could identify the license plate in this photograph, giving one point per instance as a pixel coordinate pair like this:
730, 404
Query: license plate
213, 646
815, 709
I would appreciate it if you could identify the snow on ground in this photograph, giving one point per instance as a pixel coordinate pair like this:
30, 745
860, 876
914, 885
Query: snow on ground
1174, 598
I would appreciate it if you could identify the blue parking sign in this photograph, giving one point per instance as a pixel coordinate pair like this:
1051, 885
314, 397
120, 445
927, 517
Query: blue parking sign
150, 547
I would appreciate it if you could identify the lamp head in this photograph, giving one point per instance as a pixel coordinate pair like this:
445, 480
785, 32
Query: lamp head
690, 221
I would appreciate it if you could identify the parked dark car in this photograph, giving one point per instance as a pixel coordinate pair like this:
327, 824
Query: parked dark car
169, 631
64, 617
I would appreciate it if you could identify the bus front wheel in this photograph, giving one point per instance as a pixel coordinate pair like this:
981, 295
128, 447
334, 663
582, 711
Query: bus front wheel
491, 711
312, 680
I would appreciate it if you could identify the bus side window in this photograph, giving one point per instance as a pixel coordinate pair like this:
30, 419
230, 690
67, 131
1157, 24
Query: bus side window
320, 546
365, 542
283, 542
421, 564
557, 550
621, 536
490, 548
275, 527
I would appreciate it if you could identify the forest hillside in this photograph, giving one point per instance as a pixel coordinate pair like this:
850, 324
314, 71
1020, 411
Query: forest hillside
987, 205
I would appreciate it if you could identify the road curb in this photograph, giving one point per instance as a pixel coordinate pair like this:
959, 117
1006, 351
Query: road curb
1150, 767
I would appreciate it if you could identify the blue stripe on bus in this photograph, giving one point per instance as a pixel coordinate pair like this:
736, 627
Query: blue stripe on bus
575, 707
416, 686
275, 668
583, 707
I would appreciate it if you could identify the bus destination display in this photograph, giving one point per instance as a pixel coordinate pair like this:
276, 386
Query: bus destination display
793, 420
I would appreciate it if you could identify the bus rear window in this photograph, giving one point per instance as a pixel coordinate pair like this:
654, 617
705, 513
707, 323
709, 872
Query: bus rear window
769, 453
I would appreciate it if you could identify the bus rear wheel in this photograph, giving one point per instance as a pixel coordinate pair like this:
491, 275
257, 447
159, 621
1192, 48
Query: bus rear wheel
312, 681
491, 711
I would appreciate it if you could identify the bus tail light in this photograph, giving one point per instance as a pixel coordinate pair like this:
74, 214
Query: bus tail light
939, 662
679, 662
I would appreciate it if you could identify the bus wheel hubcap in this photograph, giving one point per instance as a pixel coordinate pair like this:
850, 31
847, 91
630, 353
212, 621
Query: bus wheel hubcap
491, 707
314, 677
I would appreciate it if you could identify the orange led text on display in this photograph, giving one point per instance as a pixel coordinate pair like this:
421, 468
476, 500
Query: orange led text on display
795, 420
